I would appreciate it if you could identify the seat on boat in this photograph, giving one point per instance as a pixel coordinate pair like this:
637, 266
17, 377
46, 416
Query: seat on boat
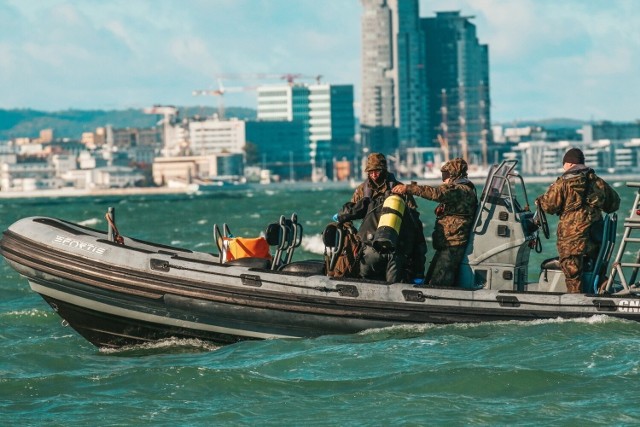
285, 236
592, 278
594, 269
551, 264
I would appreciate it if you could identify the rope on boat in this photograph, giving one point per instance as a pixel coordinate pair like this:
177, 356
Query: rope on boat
116, 235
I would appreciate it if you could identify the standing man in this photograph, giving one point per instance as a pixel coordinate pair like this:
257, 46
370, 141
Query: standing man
366, 204
454, 215
578, 197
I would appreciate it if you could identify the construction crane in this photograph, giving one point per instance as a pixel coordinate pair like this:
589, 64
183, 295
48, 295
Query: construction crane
220, 92
290, 78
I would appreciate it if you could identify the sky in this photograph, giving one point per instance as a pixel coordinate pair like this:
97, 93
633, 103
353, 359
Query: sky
576, 59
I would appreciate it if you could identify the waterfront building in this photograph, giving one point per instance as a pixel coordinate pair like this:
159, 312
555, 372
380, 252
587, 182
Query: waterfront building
115, 177
28, 175
63, 163
63, 147
24, 148
457, 73
92, 139
513, 135
78, 178
183, 170
135, 137
213, 136
279, 146
87, 160
46, 135
284, 103
324, 113
604, 156
502, 134
394, 94
331, 123
610, 130
7, 152
125, 146
143, 154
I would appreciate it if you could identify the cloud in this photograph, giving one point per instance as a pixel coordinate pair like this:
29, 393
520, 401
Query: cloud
575, 58
558, 58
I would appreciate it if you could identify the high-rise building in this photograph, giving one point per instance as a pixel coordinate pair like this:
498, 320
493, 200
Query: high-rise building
331, 122
280, 146
283, 102
394, 97
457, 73
325, 113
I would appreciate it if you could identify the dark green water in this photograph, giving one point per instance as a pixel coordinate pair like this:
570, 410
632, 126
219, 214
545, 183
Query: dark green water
539, 373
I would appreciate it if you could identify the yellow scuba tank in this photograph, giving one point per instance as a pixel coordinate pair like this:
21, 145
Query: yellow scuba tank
386, 235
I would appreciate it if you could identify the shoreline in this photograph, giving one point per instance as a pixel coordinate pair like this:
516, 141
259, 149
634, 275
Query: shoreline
161, 191
298, 185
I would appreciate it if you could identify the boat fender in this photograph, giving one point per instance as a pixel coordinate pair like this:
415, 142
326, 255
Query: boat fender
386, 235
308, 268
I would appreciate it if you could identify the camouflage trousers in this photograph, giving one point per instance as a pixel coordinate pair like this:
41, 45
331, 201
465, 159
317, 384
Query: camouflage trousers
573, 266
443, 270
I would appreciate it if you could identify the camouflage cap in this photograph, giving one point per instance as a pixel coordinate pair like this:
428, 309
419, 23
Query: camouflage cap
456, 168
376, 161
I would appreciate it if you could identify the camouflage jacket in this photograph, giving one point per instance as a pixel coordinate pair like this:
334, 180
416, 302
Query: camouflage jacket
366, 204
455, 212
578, 197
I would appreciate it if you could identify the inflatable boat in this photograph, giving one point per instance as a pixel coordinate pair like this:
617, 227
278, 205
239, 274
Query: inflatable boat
117, 290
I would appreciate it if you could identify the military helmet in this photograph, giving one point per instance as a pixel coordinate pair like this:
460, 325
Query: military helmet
376, 161
455, 168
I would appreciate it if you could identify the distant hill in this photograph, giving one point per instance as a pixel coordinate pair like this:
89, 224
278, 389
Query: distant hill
558, 123
72, 123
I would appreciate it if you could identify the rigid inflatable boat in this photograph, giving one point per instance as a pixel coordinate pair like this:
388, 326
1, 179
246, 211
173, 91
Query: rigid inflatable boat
117, 290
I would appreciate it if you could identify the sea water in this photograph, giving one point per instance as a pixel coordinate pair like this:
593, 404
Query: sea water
552, 372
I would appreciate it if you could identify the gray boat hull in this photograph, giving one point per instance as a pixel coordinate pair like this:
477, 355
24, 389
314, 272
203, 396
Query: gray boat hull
116, 295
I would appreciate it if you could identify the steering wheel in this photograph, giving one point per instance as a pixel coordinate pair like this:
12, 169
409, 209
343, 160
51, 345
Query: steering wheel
540, 218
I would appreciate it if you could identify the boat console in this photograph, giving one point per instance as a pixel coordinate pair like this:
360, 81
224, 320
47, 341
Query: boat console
502, 236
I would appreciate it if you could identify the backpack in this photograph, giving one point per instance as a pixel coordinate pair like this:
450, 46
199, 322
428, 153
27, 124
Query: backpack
348, 262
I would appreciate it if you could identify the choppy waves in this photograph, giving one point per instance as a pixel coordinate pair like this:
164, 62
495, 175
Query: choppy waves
543, 372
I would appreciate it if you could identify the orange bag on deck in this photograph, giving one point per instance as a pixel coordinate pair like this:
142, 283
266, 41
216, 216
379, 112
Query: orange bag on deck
244, 247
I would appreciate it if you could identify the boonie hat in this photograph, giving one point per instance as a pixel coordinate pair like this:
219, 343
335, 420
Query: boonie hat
376, 162
455, 168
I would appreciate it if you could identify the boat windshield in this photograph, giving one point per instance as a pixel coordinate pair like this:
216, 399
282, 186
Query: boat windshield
496, 180
502, 186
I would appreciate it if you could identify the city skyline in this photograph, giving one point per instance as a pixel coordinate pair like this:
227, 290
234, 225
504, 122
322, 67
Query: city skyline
575, 59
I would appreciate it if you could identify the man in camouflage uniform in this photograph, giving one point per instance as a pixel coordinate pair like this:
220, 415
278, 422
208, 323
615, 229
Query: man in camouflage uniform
454, 215
578, 196
407, 261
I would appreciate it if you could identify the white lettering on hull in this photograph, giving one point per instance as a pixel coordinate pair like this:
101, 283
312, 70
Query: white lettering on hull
73, 243
629, 306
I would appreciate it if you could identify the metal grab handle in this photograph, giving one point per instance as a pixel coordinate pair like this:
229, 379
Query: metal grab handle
296, 239
337, 249
217, 238
283, 243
